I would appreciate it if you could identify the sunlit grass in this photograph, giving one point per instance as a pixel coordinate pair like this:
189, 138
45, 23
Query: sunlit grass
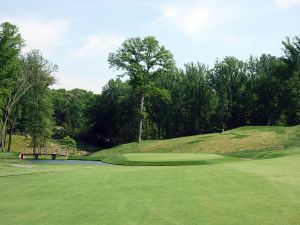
251, 192
240, 139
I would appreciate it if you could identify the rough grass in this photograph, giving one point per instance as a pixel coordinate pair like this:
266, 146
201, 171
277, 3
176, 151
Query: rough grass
251, 192
240, 139
19, 142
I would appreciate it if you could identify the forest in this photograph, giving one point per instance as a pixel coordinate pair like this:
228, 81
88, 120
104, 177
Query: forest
156, 100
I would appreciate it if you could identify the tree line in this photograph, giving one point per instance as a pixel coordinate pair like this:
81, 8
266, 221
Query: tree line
157, 101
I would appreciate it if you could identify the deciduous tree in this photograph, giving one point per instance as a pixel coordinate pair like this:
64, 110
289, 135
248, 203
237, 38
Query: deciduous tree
143, 60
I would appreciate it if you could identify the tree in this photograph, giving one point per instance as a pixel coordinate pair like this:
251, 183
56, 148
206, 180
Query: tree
37, 102
229, 79
198, 98
14, 78
113, 115
292, 79
268, 80
69, 142
143, 60
71, 112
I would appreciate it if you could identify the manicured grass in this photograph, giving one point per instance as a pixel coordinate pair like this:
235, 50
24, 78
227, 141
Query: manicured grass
166, 159
152, 157
238, 177
240, 192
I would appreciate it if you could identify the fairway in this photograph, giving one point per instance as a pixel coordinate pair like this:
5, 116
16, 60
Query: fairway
244, 192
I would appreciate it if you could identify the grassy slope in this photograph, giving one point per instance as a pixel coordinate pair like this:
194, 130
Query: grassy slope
246, 192
19, 142
244, 142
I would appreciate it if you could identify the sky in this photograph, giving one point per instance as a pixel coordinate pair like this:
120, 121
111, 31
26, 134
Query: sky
78, 35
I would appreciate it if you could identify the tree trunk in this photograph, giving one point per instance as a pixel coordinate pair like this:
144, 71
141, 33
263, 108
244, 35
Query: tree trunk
10, 137
3, 130
141, 118
3, 135
146, 129
11, 128
11, 101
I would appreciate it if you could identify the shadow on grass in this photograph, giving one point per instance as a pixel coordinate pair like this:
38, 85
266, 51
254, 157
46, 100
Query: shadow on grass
9, 155
239, 136
265, 154
119, 159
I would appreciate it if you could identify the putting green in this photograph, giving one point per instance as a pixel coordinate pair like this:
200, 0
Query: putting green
157, 157
165, 159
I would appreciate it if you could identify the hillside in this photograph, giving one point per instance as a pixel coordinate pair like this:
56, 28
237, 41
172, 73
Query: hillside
254, 138
256, 142
20, 141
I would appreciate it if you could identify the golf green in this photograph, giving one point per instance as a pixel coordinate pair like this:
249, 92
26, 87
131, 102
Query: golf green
156, 157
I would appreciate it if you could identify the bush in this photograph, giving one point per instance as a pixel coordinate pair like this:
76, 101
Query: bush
69, 142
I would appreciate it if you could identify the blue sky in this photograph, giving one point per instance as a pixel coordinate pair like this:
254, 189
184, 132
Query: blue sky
78, 35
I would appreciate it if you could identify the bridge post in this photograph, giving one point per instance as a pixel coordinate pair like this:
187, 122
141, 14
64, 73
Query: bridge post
53, 157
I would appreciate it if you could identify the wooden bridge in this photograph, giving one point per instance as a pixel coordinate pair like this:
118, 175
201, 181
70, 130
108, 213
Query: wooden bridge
35, 152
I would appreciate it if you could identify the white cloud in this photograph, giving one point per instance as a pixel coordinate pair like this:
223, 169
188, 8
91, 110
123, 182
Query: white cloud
91, 79
287, 3
70, 81
197, 20
96, 46
46, 35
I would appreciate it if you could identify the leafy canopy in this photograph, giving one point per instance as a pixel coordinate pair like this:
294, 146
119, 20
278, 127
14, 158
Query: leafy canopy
143, 60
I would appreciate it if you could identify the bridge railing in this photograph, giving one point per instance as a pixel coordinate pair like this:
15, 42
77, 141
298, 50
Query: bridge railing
45, 151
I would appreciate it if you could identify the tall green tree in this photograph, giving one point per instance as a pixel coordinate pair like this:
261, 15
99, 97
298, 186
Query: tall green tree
71, 112
268, 90
143, 60
38, 103
229, 79
113, 115
14, 79
292, 79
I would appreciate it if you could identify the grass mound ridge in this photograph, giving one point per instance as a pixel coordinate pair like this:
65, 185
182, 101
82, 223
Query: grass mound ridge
164, 159
176, 159
249, 138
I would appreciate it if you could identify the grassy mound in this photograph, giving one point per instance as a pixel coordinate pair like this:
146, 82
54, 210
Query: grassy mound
164, 159
153, 157
247, 142
256, 142
183, 159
